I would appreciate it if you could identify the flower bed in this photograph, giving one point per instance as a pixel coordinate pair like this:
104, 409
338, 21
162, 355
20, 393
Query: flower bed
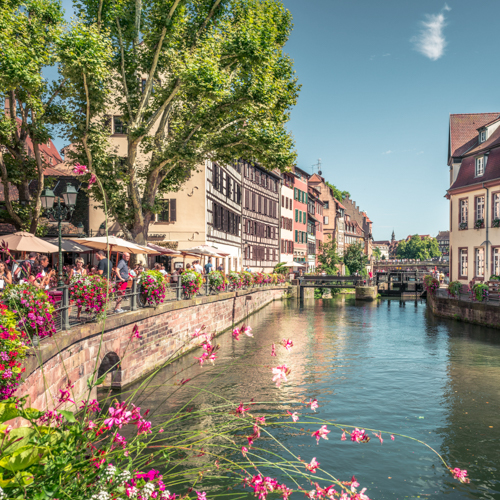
191, 282
153, 286
246, 278
258, 278
454, 288
235, 279
12, 351
33, 308
217, 281
89, 293
431, 284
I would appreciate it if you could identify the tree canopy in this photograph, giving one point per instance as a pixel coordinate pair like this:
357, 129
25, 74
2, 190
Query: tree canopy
191, 80
329, 256
355, 259
339, 195
418, 248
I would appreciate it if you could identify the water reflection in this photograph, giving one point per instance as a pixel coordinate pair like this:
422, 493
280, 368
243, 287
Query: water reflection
387, 365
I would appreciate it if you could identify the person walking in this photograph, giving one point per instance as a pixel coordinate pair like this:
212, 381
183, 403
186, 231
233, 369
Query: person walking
208, 266
122, 276
197, 267
103, 266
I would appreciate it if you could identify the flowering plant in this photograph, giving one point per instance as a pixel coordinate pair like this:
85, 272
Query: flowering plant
235, 279
246, 278
33, 308
258, 278
431, 284
479, 223
12, 351
191, 281
463, 225
89, 293
153, 286
267, 278
217, 281
454, 288
496, 222
480, 292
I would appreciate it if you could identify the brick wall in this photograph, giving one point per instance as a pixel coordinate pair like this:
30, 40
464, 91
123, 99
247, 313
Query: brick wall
165, 330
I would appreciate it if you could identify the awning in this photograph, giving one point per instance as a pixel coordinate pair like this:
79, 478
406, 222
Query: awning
163, 250
69, 245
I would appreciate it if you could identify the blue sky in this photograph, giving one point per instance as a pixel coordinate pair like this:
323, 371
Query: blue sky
379, 80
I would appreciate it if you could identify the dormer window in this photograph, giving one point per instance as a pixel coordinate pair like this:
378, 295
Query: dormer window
479, 166
482, 136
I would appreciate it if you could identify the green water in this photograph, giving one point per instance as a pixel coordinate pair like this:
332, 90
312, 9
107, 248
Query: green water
388, 365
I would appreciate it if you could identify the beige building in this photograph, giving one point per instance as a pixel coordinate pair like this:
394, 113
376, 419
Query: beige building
474, 194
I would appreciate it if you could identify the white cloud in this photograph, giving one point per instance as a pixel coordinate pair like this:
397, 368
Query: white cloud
388, 152
431, 41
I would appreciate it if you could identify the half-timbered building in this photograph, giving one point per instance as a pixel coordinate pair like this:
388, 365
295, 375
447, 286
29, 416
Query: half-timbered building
260, 213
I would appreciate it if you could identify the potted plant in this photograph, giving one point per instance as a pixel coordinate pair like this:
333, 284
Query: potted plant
496, 222
153, 287
462, 226
191, 282
480, 292
217, 281
479, 224
454, 289
235, 279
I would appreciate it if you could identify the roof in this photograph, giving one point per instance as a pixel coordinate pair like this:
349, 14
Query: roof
384, 242
422, 236
467, 173
463, 130
339, 204
443, 235
491, 142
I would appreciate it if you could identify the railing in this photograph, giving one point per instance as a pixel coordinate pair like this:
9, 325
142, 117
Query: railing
67, 314
467, 296
332, 281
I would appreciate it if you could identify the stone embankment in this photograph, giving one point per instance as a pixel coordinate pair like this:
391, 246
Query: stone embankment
165, 331
479, 313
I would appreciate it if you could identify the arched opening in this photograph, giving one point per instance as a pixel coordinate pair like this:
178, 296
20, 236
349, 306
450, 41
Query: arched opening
110, 363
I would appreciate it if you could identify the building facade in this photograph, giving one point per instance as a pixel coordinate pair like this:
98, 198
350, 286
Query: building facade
286, 218
474, 195
383, 246
300, 246
260, 216
443, 239
314, 227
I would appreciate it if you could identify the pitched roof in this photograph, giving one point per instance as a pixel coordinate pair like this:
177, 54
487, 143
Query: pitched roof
463, 130
339, 204
443, 235
491, 142
383, 242
467, 173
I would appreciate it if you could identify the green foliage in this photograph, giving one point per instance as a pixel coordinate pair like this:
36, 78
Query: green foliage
418, 248
480, 291
339, 195
354, 258
377, 253
329, 257
454, 288
217, 84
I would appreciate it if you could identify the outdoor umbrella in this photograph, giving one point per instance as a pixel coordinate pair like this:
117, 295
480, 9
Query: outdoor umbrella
114, 244
204, 250
27, 242
163, 250
69, 245
293, 264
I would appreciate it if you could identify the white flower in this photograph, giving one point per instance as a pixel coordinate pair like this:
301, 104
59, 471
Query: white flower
124, 476
147, 490
102, 495
2, 494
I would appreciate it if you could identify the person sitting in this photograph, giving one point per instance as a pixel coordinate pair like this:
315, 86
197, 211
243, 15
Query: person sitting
5, 275
122, 277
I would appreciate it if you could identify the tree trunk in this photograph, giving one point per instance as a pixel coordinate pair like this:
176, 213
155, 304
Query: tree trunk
139, 234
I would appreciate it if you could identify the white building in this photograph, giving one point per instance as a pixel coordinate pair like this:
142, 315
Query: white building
286, 218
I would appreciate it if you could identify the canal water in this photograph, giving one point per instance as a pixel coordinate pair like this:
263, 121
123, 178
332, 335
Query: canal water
386, 365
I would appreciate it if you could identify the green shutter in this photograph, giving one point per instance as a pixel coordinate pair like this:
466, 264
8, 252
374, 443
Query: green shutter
296, 215
306, 197
296, 236
294, 193
300, 216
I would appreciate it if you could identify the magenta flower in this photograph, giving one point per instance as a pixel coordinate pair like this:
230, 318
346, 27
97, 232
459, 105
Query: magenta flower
92, 180
244, 451
273, 350
461, 475
80, 169
359, 436
202, 495
313, 403
135, 332
320, 433
343, 438
287, 344
280, 373
392, 437
294, 416
313, 465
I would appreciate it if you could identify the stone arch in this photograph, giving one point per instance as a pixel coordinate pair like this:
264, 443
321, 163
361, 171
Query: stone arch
109, 364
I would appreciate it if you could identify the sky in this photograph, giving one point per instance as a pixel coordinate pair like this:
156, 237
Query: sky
379, 81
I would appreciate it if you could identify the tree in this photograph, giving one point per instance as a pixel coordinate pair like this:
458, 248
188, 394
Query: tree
329, 257
29, 32
355, 259
192, 80
339, 195
418, 248
377, 253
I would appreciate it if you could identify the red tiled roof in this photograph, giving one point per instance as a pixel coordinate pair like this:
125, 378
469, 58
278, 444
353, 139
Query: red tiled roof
48, 151
384, 242
466, 174
463, 130
489, 123
489, 143
339, 204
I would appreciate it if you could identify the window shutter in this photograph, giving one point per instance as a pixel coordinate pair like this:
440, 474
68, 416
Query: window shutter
296, 215
283, 200
215, 175
173, 210
238, 194
253, 202
294, 193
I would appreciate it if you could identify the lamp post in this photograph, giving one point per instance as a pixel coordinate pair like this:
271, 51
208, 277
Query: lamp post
59, 213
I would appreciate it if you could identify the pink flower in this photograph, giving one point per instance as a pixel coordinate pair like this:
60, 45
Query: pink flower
241, 409
80, 169
313, 465
273, 350
92, 180
287, 344
202, 495
320, 433
280, 373
244, 451
379, 437
294, 416
392, 437
313, 403
359, 436
343, 438
461, 475
247, 330
135, 332
236, 333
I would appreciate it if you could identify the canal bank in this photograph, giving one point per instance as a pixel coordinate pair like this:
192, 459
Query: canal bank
387, 365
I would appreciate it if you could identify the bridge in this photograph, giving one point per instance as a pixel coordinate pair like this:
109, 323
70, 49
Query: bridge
424, 266
388, 283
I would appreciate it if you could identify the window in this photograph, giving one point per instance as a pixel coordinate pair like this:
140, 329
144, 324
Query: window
168, 211
496, 261
480, 208
296, 215
304, 218
119, 126
496, 206
479, 262
482, 136
464, 211
479, 166
283, 201
295, 193
326, 219
327, 205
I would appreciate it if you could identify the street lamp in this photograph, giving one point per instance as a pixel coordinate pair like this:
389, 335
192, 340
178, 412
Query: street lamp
59, 213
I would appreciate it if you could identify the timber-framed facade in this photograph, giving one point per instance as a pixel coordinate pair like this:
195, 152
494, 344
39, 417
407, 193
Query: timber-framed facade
261, 215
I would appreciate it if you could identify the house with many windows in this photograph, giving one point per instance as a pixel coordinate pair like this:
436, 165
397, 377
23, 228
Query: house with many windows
260, 218
286, 217
300, 246
314, 227
474, 195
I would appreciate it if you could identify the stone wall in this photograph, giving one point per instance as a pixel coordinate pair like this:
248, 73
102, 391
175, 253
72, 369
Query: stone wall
480, 313
166, 332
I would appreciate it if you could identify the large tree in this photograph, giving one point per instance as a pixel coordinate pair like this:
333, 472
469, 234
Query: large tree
329, 257
355, 258
192, 80
418, 248
29, 31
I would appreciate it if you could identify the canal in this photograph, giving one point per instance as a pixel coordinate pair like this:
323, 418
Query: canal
386, 365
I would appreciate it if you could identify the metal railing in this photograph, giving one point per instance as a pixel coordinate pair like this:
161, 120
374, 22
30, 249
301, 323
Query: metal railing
467, 296
68, 314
